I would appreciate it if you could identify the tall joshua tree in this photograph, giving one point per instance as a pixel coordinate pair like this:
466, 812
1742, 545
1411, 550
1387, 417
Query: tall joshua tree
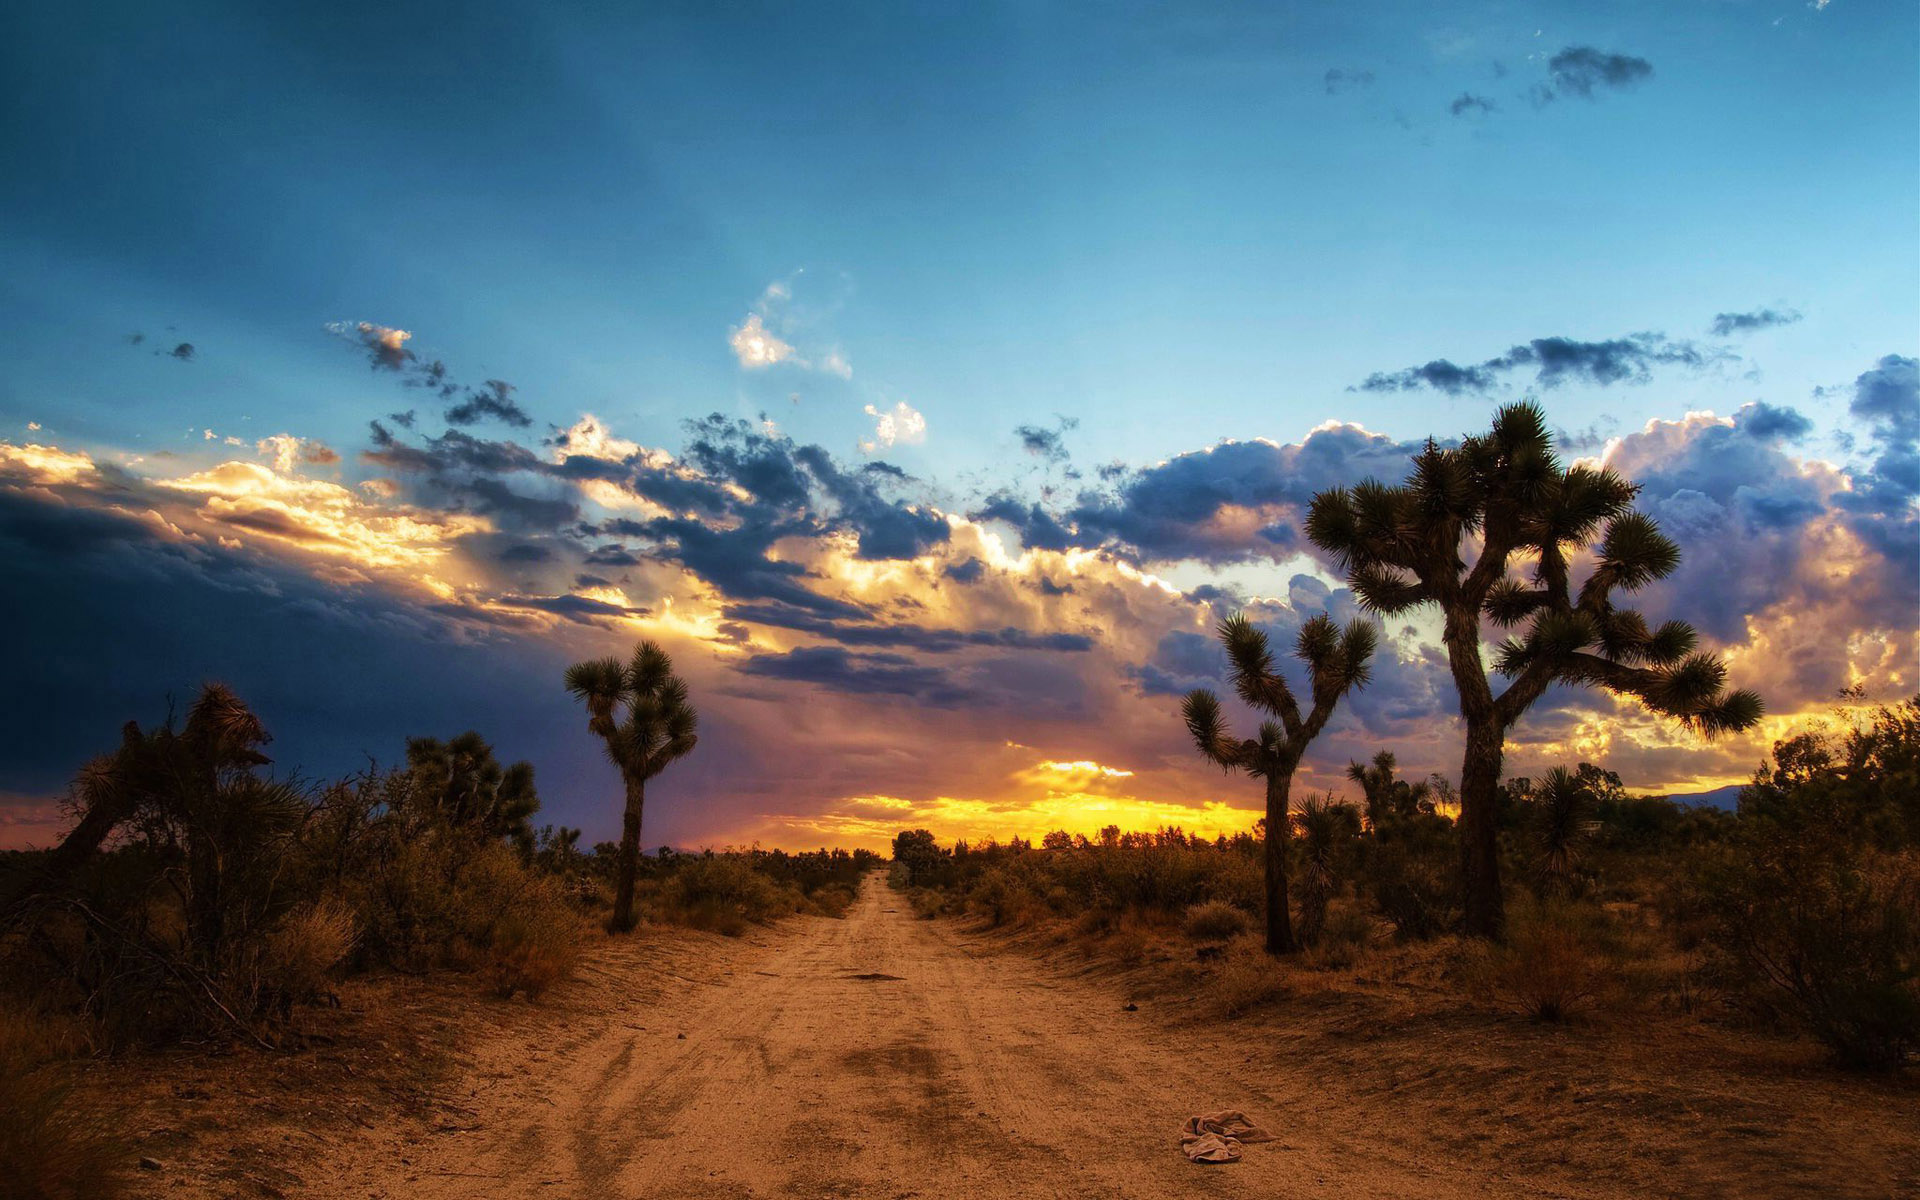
1336, 663
641, 711
1450, 536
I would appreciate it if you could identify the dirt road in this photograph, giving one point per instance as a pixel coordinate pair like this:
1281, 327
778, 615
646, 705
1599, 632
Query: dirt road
877, 1056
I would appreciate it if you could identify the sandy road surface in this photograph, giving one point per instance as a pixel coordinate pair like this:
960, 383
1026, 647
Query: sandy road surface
963, 1075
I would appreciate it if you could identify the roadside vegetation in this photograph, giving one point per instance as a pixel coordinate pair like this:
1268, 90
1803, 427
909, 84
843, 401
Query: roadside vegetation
200, 899
1796, 916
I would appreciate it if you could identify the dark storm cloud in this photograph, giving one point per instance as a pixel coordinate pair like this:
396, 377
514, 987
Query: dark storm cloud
133, 621
525, 552
1881, 504
184, 352
1728, 324
935, 641
493, 401
1166, 512
1554, 361
579, 609
1582, 71
1466, 103
1344, 79
872, 675
1770, 423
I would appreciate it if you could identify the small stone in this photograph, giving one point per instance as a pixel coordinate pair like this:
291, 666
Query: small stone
1131, 1008
683, 1037
152, 1164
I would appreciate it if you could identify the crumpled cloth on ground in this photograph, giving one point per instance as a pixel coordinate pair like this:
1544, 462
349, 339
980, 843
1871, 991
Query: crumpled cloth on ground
1216, 1137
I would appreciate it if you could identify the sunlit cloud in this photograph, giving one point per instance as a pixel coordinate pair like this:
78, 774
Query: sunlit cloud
756, 347
901, 425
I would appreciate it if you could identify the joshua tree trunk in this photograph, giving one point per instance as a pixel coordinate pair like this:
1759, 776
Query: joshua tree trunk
1486, 915
623, 919
1279, 924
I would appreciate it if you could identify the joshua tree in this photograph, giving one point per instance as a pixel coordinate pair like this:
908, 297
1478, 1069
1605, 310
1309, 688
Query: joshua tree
1388, 799
640, 710
1448, 536
1336, 663
471, 791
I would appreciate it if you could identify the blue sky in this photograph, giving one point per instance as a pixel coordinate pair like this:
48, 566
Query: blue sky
1152, 227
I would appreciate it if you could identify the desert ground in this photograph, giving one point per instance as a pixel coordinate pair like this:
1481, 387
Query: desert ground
883, 1056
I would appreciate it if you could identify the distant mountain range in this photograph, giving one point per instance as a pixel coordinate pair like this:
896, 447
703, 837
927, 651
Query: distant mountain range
1727, 797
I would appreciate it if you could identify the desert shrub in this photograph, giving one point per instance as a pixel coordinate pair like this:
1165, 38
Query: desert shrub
722, 893
1827, 941
927, 903
1344, 939
1005, 899
1556, 960
833, 900
1414, 889
49, 1148
1214, 921
534, 945
1246, 980
294, 961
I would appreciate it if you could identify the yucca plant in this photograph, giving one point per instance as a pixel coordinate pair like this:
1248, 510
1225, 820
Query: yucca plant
1450, 534
640, 710
1327, 829
1337, 661
1562, 823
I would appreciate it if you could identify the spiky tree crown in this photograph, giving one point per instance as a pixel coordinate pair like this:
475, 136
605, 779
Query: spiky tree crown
1407, 545
1336, 660
639, 708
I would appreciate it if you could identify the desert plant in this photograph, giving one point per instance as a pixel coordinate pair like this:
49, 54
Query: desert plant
1447, 537
1829, 941
1214, 921
1389, 800
469, 790
641, 712
1553, 962
1327, 832
50, 1149
1561, 825
1336, 662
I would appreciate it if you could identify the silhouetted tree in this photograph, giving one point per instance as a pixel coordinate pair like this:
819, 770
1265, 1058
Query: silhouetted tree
471, 791
641, 711
1448, 535
1388, 799
1561, 824
1336, 662
916, 850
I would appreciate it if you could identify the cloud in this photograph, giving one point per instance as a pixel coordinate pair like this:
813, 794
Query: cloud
386, 346
1727, 324
901, 425
1582, 71
876, 675
183, 351
1554, 361
1342, 79
288, 452
493, 401
755, 347
1042, 442
1467, 102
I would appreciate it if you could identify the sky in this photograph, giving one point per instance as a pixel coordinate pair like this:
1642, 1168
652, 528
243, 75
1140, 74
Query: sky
929, 380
